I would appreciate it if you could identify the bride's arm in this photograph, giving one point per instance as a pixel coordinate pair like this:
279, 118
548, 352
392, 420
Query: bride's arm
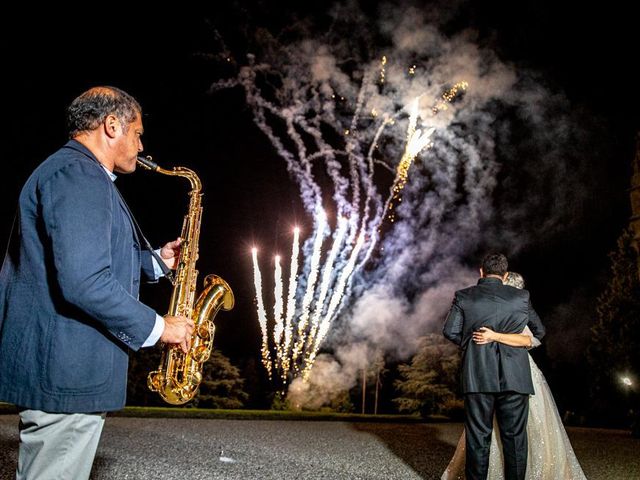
485, 335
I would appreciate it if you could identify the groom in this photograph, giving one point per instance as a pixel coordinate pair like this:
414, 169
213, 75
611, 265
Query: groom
496, 378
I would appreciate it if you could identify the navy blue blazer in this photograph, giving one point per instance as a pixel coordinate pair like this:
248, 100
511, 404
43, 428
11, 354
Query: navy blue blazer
69, 308
493, 367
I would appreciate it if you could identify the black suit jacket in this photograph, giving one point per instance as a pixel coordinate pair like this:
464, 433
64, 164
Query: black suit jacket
493, 367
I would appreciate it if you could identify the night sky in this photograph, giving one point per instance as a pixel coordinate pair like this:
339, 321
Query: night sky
581, 55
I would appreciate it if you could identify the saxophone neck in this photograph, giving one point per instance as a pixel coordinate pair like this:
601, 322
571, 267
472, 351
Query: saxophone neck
194, 180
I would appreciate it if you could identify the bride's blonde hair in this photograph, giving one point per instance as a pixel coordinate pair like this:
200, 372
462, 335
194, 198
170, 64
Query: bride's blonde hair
514, 279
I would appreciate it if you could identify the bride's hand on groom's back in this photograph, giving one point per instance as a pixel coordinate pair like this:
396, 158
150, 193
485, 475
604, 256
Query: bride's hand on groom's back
483, 335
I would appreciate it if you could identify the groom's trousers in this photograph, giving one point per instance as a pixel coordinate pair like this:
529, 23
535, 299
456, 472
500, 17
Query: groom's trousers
511, 410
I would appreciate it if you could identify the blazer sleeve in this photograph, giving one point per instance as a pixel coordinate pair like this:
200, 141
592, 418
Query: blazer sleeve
534, 323
453, 324
77, 211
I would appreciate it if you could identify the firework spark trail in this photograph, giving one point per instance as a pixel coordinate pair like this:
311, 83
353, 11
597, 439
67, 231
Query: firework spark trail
262, 314
300, 164
373, 196
329, 154
353, 147
321, 226
291, 304
413, 119
416, 141
449, 96
310, 191
278, 306
360, 171
332, 165
341, 284
326, 279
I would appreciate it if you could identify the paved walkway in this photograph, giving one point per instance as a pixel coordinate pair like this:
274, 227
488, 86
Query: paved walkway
136, 448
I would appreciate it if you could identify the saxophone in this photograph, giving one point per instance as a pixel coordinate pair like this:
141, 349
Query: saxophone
179, 374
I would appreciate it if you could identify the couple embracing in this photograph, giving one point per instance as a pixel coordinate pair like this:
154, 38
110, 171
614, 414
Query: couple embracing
512, 426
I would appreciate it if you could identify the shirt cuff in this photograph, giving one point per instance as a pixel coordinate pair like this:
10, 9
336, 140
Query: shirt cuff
157, 271
155, 334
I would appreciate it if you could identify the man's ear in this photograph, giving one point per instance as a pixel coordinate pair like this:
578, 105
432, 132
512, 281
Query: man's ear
111, 126
481, 273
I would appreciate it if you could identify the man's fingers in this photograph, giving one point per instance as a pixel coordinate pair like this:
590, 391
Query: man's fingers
178, 331
185, 343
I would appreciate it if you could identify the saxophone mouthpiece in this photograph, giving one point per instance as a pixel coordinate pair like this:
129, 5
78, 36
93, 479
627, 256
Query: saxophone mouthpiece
147, 162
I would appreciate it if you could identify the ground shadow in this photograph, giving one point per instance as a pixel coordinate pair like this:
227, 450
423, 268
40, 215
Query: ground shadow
101, 465
8, 454
421, 446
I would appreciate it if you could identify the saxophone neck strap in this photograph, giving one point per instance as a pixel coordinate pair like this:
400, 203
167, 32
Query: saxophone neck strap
165, 270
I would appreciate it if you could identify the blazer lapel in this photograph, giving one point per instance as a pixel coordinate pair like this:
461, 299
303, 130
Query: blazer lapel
128, 214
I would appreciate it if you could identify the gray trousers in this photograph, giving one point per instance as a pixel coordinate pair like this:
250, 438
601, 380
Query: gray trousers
57, 445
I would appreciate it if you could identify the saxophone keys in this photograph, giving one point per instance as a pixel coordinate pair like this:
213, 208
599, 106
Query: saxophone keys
204, 330
201, 354
155, 380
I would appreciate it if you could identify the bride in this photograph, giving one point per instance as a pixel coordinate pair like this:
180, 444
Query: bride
550, 453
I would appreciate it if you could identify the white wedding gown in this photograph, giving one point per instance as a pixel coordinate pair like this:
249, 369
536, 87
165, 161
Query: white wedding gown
550, 454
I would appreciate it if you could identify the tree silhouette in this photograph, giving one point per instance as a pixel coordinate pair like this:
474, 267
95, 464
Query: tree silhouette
221, 386
429, 384
614, 352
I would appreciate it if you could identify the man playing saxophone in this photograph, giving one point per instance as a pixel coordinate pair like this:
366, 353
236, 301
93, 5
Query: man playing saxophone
69, 308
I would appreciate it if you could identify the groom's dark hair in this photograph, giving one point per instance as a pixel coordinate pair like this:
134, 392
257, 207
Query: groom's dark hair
495, 264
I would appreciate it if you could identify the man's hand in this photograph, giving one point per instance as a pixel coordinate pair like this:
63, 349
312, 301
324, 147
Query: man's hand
484, 335
170, 253
178, 331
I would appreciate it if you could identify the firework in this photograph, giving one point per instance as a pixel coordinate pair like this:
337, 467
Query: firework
302, 120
